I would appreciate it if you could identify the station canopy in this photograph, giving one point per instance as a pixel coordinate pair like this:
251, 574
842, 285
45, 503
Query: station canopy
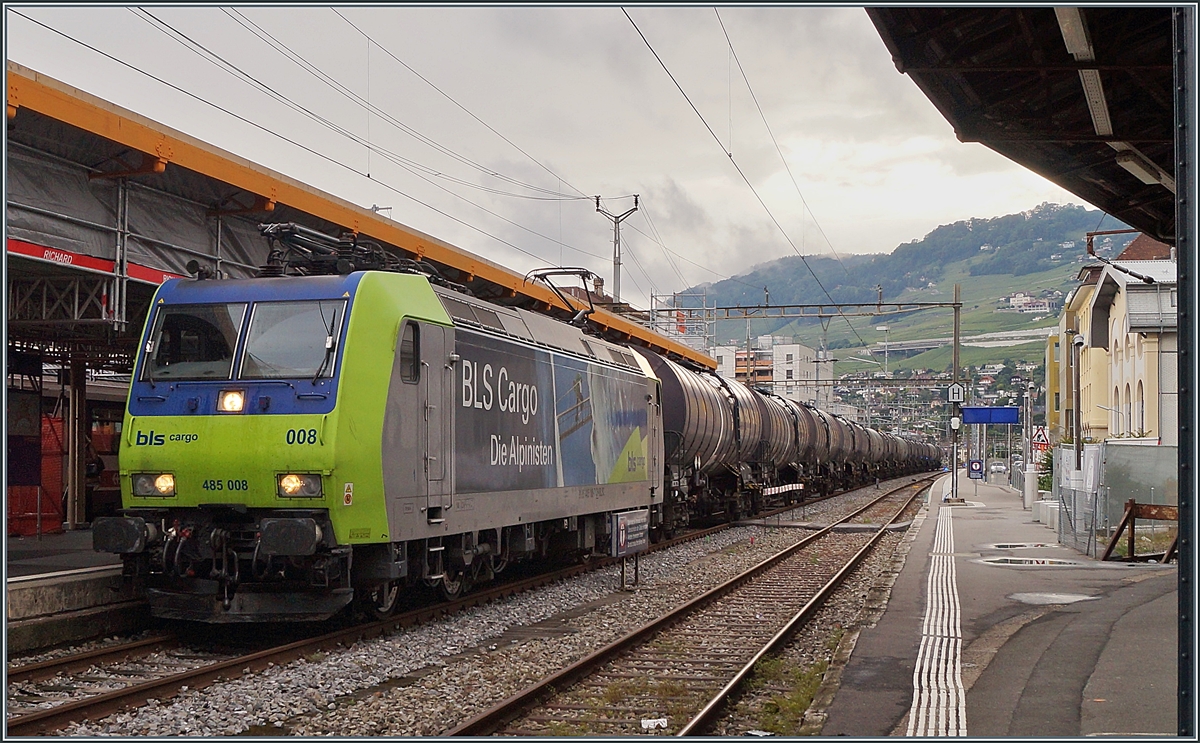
103, 205
1082, 96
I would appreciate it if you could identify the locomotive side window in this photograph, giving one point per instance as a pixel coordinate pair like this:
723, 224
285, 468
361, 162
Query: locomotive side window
410, 353
193, 341
293, 339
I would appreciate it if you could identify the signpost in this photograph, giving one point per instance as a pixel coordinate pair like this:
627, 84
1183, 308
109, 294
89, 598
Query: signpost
975, 469
956, 393
1039, 439
630, 536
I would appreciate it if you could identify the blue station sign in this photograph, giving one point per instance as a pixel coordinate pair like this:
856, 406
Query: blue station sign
1010, 414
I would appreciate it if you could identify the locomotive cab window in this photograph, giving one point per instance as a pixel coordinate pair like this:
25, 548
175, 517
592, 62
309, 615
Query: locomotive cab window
410, 353
292, 339
193, 341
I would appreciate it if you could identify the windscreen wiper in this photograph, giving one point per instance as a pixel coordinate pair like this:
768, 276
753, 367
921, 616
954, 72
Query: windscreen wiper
329, 344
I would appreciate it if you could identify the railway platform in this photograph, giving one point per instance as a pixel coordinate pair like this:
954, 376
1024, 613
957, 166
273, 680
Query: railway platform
59, 590
993, 629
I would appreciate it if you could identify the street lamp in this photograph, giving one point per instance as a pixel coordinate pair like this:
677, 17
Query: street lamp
1029, 487
876, 363
822, 358
884, 329
955, 422
1120, 416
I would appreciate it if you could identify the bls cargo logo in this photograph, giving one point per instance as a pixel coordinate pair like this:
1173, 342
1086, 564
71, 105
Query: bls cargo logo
158, 439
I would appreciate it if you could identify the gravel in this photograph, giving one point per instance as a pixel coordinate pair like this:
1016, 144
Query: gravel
428, 679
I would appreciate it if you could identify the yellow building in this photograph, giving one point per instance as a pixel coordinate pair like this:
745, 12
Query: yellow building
1124, 313
1134, 316
1093, 367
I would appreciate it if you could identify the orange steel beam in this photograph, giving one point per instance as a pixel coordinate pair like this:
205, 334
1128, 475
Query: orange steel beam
37, 92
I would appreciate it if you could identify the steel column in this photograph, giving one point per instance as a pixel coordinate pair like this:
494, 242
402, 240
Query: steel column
77, 446
1183, 20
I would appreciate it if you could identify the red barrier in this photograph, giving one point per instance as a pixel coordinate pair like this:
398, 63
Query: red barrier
22, 504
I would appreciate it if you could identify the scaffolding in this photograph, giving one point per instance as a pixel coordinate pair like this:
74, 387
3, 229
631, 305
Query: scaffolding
686, 318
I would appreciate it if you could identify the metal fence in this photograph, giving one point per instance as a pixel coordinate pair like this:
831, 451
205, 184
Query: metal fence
1092, 500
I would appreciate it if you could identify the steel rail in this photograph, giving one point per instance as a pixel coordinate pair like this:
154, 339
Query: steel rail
493, 719
100, 705
704, 719
71, 663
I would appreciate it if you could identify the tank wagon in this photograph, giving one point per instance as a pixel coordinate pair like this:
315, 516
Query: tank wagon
295, 444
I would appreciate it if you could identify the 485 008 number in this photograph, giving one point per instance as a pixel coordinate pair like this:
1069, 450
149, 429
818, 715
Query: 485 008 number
301, 436
226, 485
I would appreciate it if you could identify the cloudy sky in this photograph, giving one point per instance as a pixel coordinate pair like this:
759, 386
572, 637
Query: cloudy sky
495, 128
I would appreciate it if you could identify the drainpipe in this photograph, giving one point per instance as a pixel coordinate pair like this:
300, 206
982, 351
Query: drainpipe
1076, 432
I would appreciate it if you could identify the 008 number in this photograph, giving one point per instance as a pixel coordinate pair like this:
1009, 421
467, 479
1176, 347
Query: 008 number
301, 436
226, 485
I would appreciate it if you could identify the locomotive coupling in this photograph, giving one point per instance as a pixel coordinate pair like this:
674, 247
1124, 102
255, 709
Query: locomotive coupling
122, 535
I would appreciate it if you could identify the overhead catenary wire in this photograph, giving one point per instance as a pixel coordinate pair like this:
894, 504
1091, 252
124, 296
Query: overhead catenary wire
282, 48
743, 175
402, 162
314, 70
340, 163
268, 130
666, 254
448, 97
398, 159
774, 141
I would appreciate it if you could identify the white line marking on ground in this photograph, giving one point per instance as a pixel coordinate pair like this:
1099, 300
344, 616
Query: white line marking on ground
939, 706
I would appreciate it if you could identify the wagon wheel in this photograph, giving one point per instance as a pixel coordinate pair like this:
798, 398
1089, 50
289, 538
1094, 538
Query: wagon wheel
381, 601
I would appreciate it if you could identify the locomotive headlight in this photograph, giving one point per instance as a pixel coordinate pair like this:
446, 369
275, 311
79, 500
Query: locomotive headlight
231, 401
148, 484
299, 486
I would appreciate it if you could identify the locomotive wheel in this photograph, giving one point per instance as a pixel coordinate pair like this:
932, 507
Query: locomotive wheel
381, 601
453, 586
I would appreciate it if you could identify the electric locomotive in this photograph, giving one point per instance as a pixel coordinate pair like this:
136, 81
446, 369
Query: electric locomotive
294, 441
298, 443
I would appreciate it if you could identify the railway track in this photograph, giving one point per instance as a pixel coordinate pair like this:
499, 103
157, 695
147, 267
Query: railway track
676, 674
47, 696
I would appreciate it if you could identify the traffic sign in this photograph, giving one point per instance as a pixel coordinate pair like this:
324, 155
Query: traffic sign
956, 393
1040, 440
975, 469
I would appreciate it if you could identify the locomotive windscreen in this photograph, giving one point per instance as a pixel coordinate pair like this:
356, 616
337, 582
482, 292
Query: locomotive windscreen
292, 339
193, 341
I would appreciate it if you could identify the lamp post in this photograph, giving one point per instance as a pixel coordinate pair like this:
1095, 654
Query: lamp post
885, 329
1030, 484
876, 363
1076, 432
823, 358
955, 422
1119, 414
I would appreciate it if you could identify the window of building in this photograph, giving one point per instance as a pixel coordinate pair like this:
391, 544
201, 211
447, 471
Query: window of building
1056, 402
789, 358
1057, 358
789, 373
720, 360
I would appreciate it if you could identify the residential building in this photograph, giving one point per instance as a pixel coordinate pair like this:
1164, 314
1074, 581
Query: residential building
1093, 367
1125, 313
1136, 322
788, 369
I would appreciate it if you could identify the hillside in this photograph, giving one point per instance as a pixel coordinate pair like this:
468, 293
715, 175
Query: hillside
989, 258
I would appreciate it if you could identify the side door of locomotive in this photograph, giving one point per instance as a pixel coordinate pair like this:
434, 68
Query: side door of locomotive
436, 419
